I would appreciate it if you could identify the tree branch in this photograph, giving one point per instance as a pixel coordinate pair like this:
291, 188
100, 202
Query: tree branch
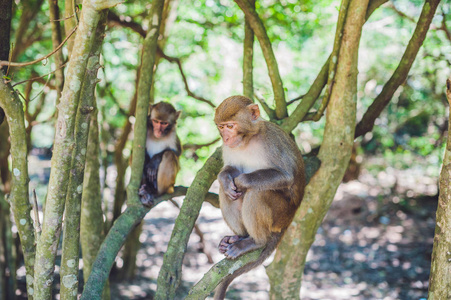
273, 70
399, 76
177, 61
15, 64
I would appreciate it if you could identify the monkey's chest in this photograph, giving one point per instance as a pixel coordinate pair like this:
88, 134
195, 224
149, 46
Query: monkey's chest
156, 146
246, 160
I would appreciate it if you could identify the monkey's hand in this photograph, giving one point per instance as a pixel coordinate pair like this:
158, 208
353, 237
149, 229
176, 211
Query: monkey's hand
145, 197
231, 191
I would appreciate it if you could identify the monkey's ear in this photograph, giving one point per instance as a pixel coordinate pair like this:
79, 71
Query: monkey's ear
177, 114
255, 111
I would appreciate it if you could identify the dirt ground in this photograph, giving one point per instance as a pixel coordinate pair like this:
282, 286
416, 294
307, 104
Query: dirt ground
375, 243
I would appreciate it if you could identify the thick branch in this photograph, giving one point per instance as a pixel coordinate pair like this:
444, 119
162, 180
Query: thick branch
171, 271
399, 76
285, 272
71, 237
143, 99
248, 57
273, 70
439, 283
57, 40
19, 199
62, 152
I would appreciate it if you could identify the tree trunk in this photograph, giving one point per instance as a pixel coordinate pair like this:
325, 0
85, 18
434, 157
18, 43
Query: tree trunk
440, 278
135, 211
18, 197
64, 145
91, 223
285, 272
71, 234
54, 14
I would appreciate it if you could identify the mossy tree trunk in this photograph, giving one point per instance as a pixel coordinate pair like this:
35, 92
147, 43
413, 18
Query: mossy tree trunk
132, 245
7, 254
18, 197
91, 222
440, 278
286, 271
135, 211
64, 145
71, 233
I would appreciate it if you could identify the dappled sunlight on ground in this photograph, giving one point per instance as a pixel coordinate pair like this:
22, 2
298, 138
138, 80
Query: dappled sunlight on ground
372, 245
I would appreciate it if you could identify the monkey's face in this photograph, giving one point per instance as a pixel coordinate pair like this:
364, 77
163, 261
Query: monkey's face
159, 128
229, 132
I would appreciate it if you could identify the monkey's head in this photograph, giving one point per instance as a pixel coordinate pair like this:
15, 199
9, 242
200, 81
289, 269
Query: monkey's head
162, 119
236, 118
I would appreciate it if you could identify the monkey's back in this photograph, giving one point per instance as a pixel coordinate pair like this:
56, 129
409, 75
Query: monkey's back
285, 154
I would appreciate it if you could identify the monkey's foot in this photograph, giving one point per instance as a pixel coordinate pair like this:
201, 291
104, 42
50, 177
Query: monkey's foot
227, 241
145, 197
241, 247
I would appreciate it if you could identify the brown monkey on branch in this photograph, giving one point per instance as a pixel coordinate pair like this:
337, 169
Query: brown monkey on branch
261, 184
163, 149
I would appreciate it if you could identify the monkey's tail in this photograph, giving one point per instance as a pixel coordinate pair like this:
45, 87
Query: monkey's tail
272, 244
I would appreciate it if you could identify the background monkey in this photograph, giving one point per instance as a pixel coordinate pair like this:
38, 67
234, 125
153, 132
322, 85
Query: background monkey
163, 149
261, 184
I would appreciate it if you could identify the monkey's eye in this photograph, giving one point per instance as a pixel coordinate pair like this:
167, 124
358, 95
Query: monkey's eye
164, 123
229, 126
220, 127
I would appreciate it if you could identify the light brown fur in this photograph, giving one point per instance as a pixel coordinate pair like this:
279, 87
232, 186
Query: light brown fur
261, 185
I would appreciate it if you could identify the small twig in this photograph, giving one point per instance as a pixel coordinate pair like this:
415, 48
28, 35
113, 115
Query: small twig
270, 112
67, 18
15, 64
400, 13
39, 77
37, 224
194, 147
177, 61
295, 99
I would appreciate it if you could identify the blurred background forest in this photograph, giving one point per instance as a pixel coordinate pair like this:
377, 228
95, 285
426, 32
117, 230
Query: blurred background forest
376, 240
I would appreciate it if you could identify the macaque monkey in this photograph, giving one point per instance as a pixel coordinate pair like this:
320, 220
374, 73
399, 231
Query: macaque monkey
163, 149
261, 184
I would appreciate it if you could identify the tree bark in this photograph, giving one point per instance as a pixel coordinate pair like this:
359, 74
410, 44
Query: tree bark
440, 278
63, 147
171, 271
54, 13
71, 233
19, 199
285, 272
91, 222
273, 69
248, 57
